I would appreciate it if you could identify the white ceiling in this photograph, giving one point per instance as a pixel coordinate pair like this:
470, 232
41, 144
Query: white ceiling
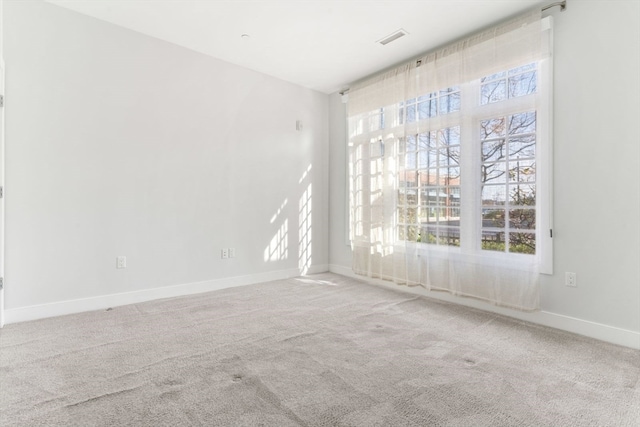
320, 44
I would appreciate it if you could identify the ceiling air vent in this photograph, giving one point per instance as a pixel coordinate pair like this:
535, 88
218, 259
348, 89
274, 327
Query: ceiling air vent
393, 36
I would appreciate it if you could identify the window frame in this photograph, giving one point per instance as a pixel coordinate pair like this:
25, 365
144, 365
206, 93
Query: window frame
471, 114
469, 119
543, 106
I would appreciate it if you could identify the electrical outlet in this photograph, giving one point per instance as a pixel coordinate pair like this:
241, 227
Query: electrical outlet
570, 279
121, 262
232, 252
224, 253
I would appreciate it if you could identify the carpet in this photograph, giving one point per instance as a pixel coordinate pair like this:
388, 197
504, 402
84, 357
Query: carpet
321, 350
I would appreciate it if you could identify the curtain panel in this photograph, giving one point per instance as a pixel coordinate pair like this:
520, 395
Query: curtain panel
446, 167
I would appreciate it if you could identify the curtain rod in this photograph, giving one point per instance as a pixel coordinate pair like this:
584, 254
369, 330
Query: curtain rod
562, 4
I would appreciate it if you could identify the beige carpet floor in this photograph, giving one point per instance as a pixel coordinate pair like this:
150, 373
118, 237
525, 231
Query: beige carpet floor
322, 350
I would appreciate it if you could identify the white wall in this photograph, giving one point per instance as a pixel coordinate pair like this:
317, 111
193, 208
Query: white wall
121, 144
339, 251
596, 167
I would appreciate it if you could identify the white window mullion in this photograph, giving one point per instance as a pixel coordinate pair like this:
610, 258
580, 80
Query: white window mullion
470, 170
544, 169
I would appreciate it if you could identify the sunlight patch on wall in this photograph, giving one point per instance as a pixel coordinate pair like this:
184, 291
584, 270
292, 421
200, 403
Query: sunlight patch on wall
304, 230
279, 211
278, 248
305, 174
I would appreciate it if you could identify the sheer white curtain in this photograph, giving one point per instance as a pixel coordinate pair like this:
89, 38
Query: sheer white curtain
450, 167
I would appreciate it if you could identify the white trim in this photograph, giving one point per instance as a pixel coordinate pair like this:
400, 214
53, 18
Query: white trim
348, 179
317, 269
544, 156
2, 173
60, 308
587, 328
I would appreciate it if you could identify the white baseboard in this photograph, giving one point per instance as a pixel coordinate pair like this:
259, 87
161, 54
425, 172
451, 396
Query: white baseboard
23, 314
587, 328
317, 269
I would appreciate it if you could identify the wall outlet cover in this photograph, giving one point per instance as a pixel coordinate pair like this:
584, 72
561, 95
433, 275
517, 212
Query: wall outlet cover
121, 262
570, 279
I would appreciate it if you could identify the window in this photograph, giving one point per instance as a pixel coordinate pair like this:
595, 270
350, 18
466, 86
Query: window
450, 164
429, 187
508, 175
430, 174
